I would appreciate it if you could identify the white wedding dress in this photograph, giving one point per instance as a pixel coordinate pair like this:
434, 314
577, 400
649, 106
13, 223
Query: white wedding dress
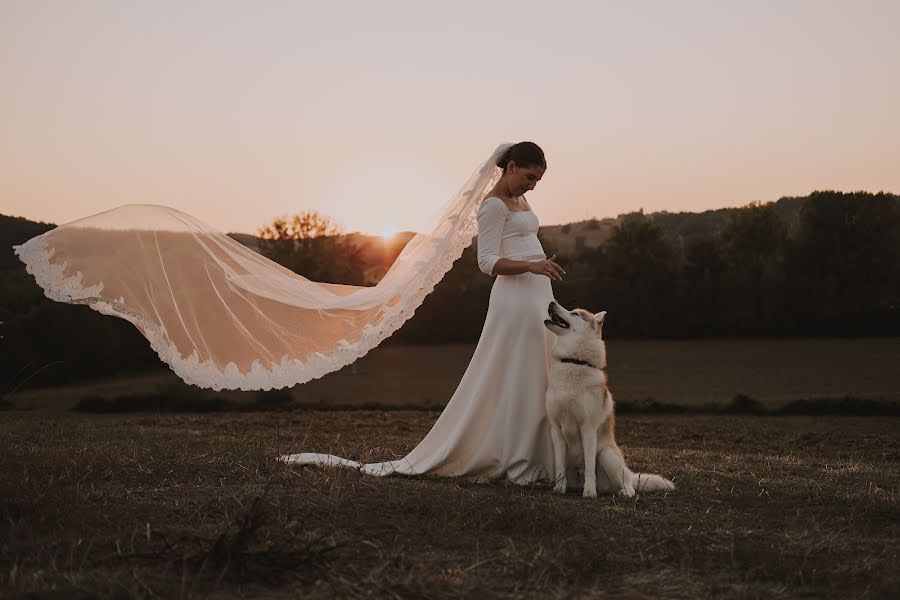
495, 424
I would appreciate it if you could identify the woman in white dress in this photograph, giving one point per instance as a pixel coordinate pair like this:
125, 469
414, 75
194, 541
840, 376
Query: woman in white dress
224, 317
495, 424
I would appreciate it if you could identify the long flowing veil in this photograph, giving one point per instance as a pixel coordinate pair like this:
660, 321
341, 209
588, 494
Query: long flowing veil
224, 317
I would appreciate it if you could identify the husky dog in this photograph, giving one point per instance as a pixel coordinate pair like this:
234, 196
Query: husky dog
580, 408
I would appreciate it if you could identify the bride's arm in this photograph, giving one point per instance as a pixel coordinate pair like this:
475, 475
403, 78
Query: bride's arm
548, 267
491, 217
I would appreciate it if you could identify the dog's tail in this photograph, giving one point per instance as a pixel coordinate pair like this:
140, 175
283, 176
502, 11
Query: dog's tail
648, 482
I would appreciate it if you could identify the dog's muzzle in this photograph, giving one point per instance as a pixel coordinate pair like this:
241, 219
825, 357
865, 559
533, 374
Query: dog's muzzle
555, 319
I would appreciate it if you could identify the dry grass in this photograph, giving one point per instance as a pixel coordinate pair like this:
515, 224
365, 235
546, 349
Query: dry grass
193, 505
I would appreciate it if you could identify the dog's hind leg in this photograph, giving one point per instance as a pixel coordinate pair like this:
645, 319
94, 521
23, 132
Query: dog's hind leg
559, 457
619, 475
589, 443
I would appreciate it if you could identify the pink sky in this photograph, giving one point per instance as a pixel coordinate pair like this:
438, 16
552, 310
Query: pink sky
376, 113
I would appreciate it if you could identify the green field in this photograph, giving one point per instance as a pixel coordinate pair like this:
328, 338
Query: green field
194, 505
673, 372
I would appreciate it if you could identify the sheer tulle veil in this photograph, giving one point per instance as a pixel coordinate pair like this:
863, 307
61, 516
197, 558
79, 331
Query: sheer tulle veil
224, 317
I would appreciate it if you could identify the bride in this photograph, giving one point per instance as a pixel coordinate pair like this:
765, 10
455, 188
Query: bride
495, 424
224, 317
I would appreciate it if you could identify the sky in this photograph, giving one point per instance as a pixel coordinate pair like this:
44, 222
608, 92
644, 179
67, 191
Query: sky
376, 113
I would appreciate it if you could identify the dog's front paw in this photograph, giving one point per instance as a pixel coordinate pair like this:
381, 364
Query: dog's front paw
589, 493
627, 491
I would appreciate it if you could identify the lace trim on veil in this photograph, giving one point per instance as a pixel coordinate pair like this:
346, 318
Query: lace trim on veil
50, 277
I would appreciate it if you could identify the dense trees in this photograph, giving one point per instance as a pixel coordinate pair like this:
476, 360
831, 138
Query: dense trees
844, 263
310, 244
634, 273
825, 265
834, 270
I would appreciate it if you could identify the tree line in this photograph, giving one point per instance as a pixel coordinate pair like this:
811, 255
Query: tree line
827, 265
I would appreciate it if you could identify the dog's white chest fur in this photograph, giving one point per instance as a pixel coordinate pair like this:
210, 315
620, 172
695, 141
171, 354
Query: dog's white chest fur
577, 394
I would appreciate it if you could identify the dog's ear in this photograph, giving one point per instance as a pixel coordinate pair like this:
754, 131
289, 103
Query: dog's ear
598, 319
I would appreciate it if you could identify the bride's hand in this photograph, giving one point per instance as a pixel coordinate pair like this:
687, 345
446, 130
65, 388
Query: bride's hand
548, 267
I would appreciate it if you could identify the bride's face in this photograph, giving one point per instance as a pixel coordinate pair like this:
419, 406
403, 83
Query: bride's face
523, 179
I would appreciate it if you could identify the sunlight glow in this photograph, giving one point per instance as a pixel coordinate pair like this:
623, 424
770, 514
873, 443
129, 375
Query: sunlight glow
383, 198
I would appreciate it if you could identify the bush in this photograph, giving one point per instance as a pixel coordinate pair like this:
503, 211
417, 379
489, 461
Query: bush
847, 405
743, 404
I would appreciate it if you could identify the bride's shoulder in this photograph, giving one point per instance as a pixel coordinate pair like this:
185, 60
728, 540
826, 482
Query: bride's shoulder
493, 203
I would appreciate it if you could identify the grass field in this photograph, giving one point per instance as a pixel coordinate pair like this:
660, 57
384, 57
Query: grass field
674, 372
194, 505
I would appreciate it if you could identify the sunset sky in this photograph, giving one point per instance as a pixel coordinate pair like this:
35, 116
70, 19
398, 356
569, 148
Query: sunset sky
375, 113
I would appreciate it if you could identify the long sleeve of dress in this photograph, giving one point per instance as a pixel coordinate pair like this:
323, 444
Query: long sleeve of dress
491, 217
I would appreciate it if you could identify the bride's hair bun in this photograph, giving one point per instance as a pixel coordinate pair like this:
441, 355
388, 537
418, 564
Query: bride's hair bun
524, 154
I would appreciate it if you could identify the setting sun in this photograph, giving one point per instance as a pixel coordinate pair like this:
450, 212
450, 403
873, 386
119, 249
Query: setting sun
388, 231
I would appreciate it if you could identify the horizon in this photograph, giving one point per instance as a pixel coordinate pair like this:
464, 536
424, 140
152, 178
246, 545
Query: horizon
375, 116
588, 219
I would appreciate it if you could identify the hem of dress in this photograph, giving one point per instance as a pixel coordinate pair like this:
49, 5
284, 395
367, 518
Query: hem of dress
535, 477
